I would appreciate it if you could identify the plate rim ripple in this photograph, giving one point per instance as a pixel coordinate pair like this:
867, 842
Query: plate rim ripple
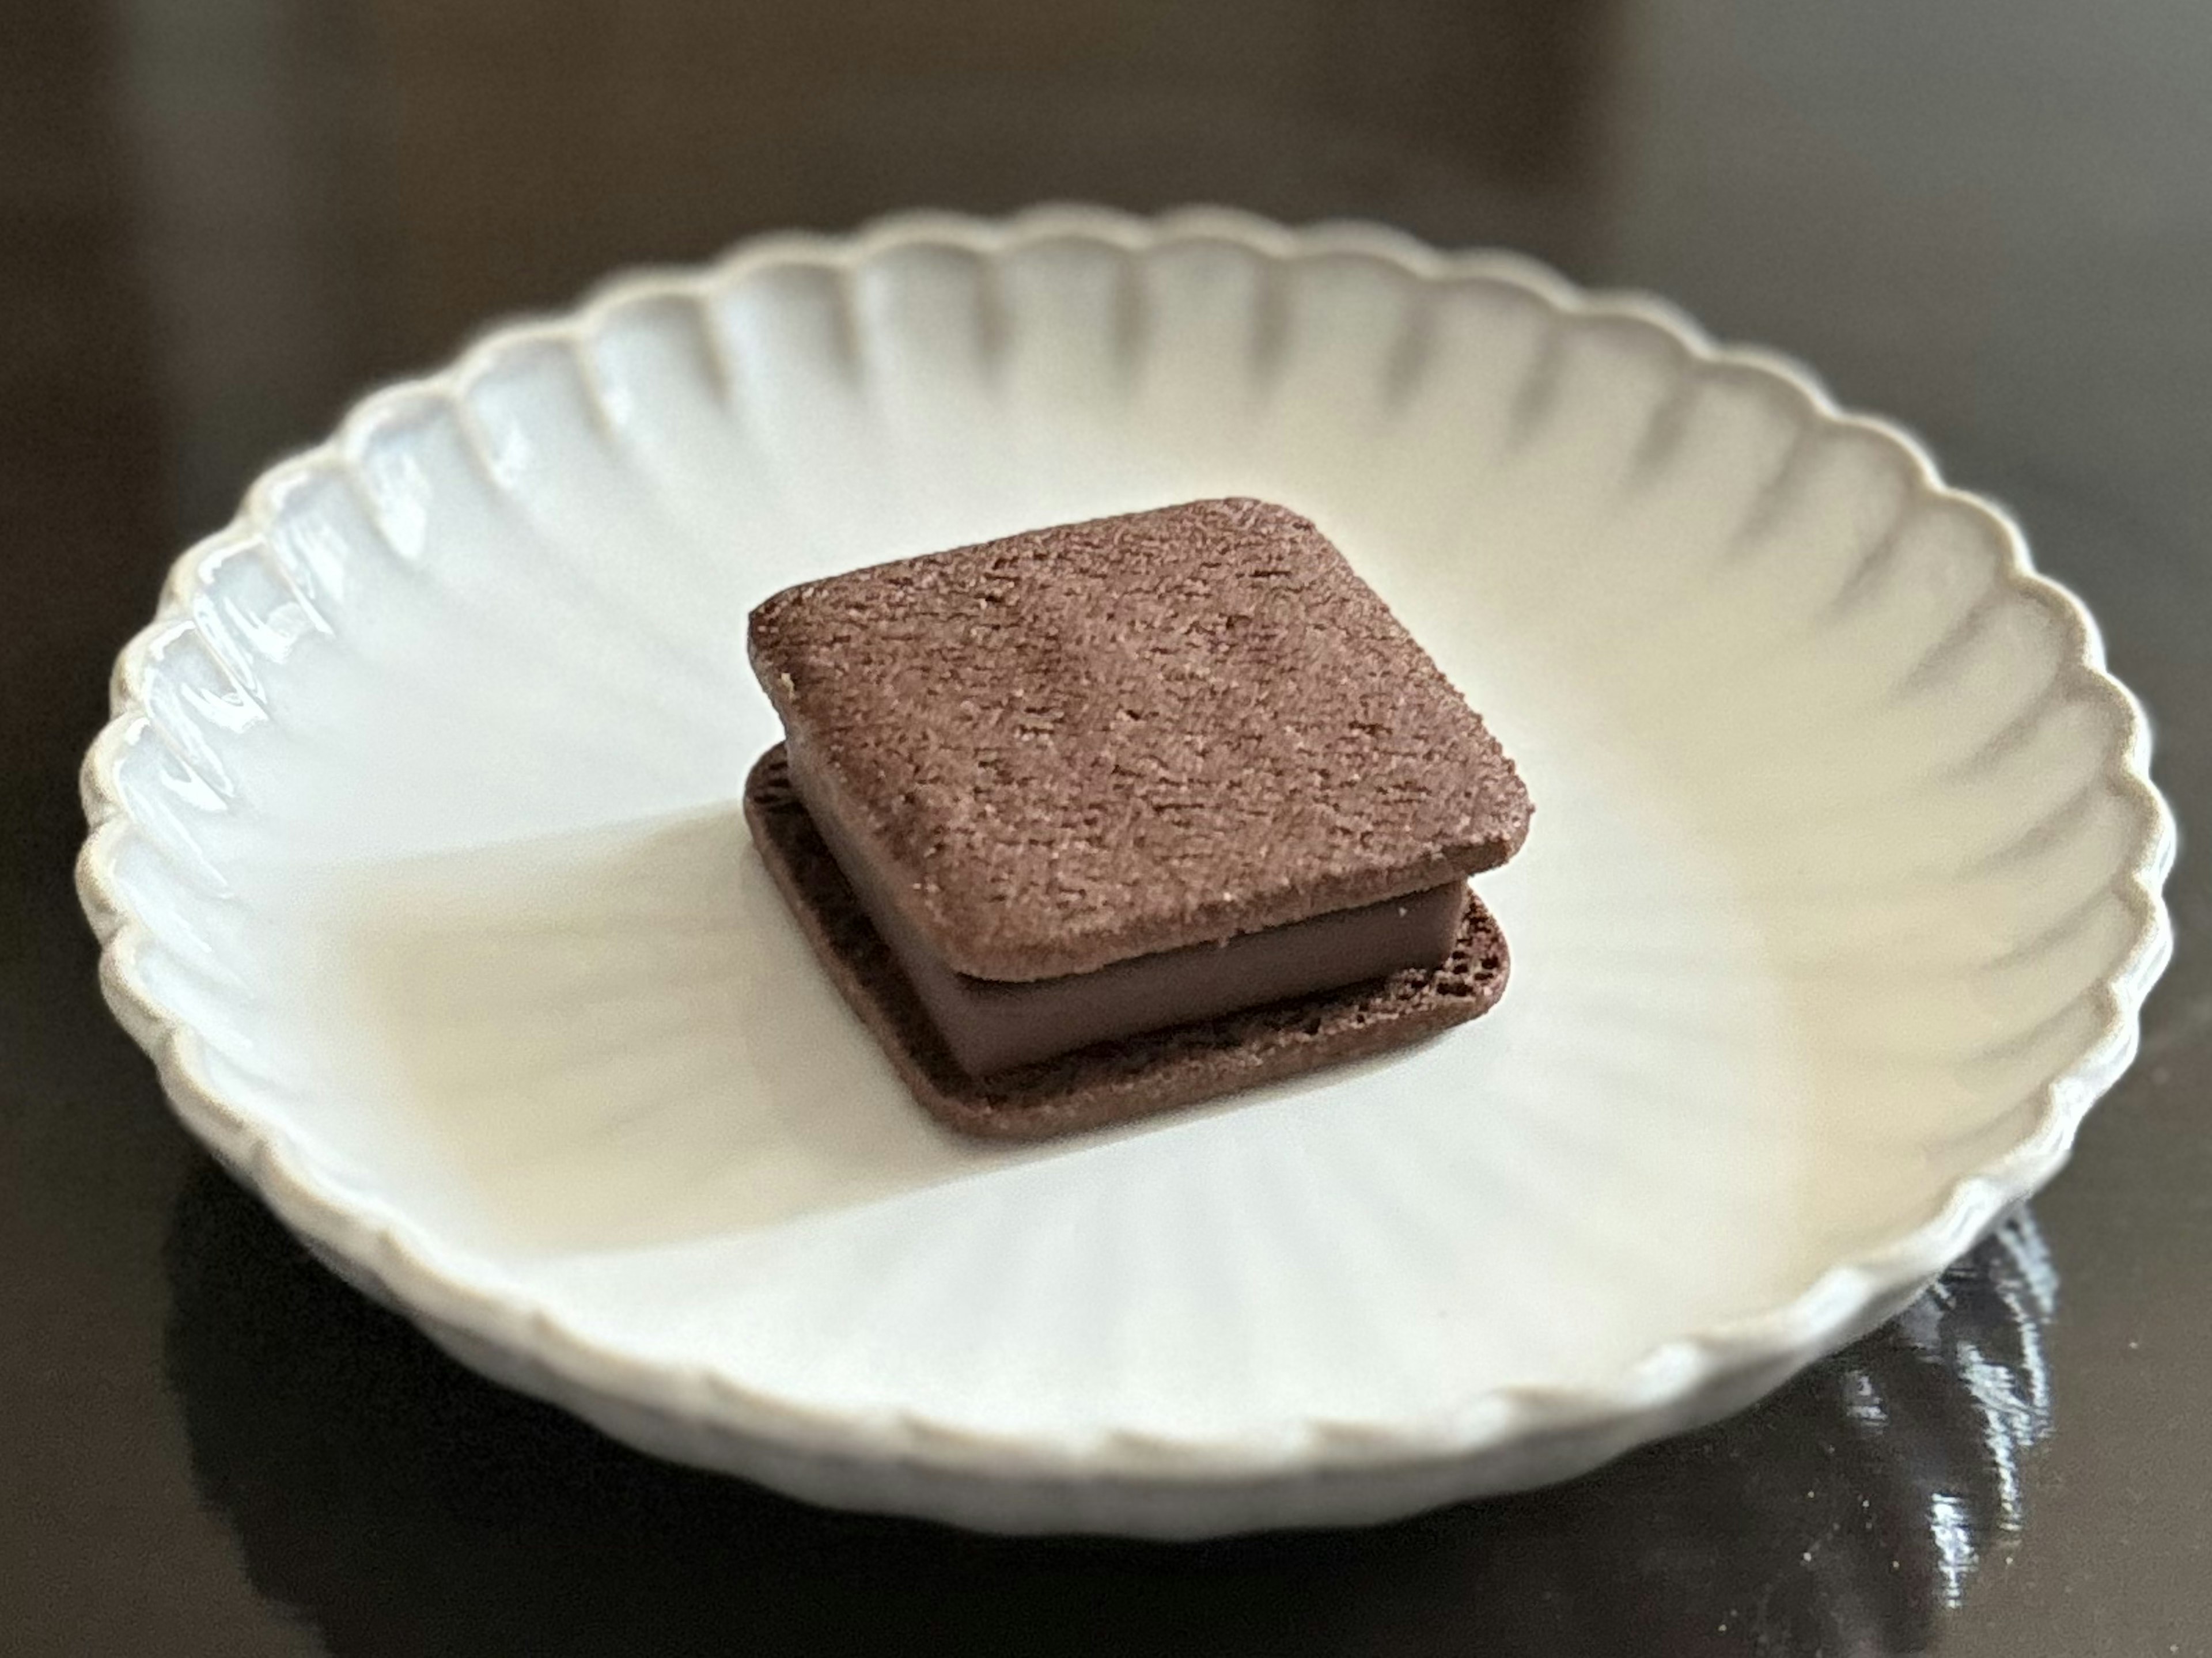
1503, 1438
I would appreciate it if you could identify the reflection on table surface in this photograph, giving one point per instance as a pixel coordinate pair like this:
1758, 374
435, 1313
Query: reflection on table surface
1844, 1514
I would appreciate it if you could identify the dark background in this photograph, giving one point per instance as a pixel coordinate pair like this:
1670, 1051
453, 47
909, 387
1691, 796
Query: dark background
220, 218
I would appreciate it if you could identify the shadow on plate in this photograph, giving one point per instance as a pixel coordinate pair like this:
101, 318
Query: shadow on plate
616, 1037
400, 1505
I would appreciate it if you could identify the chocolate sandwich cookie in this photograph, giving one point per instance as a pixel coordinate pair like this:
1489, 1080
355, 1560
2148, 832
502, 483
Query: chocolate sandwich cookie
1102, 790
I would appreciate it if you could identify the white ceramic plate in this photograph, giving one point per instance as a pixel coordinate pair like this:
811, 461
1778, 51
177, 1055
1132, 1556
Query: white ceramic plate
416, 857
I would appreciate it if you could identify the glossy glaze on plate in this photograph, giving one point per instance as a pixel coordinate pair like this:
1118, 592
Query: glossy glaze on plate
416, 858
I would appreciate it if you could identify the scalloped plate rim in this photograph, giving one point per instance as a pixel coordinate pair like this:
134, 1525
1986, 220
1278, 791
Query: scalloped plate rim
1684, 1381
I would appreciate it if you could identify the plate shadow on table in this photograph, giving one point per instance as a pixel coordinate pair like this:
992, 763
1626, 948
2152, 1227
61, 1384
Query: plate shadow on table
400, 1505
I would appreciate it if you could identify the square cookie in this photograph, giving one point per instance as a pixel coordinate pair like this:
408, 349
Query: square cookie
1075, 746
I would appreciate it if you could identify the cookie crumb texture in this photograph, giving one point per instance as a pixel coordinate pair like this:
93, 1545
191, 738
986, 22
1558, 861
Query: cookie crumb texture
1084, 744
1113, 1082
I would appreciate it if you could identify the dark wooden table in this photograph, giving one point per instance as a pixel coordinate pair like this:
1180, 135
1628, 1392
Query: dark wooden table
1990, 218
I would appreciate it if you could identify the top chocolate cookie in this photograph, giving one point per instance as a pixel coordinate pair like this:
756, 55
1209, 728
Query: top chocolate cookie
1082, 744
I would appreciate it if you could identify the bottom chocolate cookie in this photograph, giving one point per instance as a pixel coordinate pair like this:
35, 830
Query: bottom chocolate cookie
1116, 1081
